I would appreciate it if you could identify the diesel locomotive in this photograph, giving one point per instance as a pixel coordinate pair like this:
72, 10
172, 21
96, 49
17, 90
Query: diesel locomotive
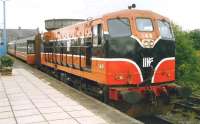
125, 58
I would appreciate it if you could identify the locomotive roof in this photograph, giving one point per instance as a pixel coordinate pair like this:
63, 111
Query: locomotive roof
135, 12
123, 13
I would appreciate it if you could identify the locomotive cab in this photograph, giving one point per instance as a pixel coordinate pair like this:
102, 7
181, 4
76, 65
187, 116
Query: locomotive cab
146, 39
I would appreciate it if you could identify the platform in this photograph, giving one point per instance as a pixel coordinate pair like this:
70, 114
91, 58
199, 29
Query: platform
30, 96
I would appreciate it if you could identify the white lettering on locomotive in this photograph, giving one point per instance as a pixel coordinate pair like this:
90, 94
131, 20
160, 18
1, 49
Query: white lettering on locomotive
147, 62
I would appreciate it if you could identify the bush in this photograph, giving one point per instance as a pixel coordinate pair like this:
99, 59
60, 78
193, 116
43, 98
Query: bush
195, 35
187, 60
6, 61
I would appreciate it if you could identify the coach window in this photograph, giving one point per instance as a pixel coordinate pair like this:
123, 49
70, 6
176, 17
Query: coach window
97, 35
51, 46
119, 27
68, 44
55, 47
46, 47
88, 41
31, 47
82, 42
58, 47
62, 45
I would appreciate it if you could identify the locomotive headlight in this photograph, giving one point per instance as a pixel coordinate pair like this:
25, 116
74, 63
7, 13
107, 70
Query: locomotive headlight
119, 77
151, 43
146, 43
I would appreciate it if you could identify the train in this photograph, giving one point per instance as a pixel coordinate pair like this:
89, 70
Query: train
124, 58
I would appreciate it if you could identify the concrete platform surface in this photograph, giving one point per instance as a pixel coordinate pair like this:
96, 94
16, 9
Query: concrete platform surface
32, 97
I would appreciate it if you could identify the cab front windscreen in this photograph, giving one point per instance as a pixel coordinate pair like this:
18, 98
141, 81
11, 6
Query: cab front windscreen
165, 30
144, 24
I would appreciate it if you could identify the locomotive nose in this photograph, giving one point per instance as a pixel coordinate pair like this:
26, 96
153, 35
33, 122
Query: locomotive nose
148, 74
147, 64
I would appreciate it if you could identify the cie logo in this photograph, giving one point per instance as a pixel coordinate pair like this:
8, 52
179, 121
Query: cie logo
147, 62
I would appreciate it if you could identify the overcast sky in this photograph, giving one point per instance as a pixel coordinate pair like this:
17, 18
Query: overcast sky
32, 13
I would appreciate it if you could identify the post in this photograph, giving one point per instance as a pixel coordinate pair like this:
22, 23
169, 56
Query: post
3, 45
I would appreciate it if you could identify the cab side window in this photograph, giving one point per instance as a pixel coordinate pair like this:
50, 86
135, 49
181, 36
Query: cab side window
97, 34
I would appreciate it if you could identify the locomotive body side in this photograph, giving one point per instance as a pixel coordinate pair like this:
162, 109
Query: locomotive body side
71, 50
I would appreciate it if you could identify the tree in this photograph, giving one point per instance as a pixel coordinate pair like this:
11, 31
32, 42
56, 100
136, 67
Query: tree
195, 35
187, 61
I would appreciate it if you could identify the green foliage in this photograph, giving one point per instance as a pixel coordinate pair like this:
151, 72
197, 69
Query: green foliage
187, 60
6, 61
195, 35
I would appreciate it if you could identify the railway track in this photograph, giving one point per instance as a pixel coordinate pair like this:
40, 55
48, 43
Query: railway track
186, 112
192, 104
154, 120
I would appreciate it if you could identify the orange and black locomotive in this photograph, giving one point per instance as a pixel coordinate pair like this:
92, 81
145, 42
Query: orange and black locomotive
125, 57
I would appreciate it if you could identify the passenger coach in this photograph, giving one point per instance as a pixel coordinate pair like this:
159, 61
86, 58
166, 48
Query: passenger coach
23, 49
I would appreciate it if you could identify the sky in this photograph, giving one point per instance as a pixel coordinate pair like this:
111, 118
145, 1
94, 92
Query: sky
32, 13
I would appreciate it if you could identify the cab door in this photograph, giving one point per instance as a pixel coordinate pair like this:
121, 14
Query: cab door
97, 40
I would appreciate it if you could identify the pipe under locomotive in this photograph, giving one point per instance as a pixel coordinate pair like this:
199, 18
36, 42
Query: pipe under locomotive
126, 58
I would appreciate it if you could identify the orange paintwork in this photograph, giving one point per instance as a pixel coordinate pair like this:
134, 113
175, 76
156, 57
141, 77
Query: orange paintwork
21, 55
31, 59
165, 72
104, 72
28, 58
48, 35
96, 75
126, 70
